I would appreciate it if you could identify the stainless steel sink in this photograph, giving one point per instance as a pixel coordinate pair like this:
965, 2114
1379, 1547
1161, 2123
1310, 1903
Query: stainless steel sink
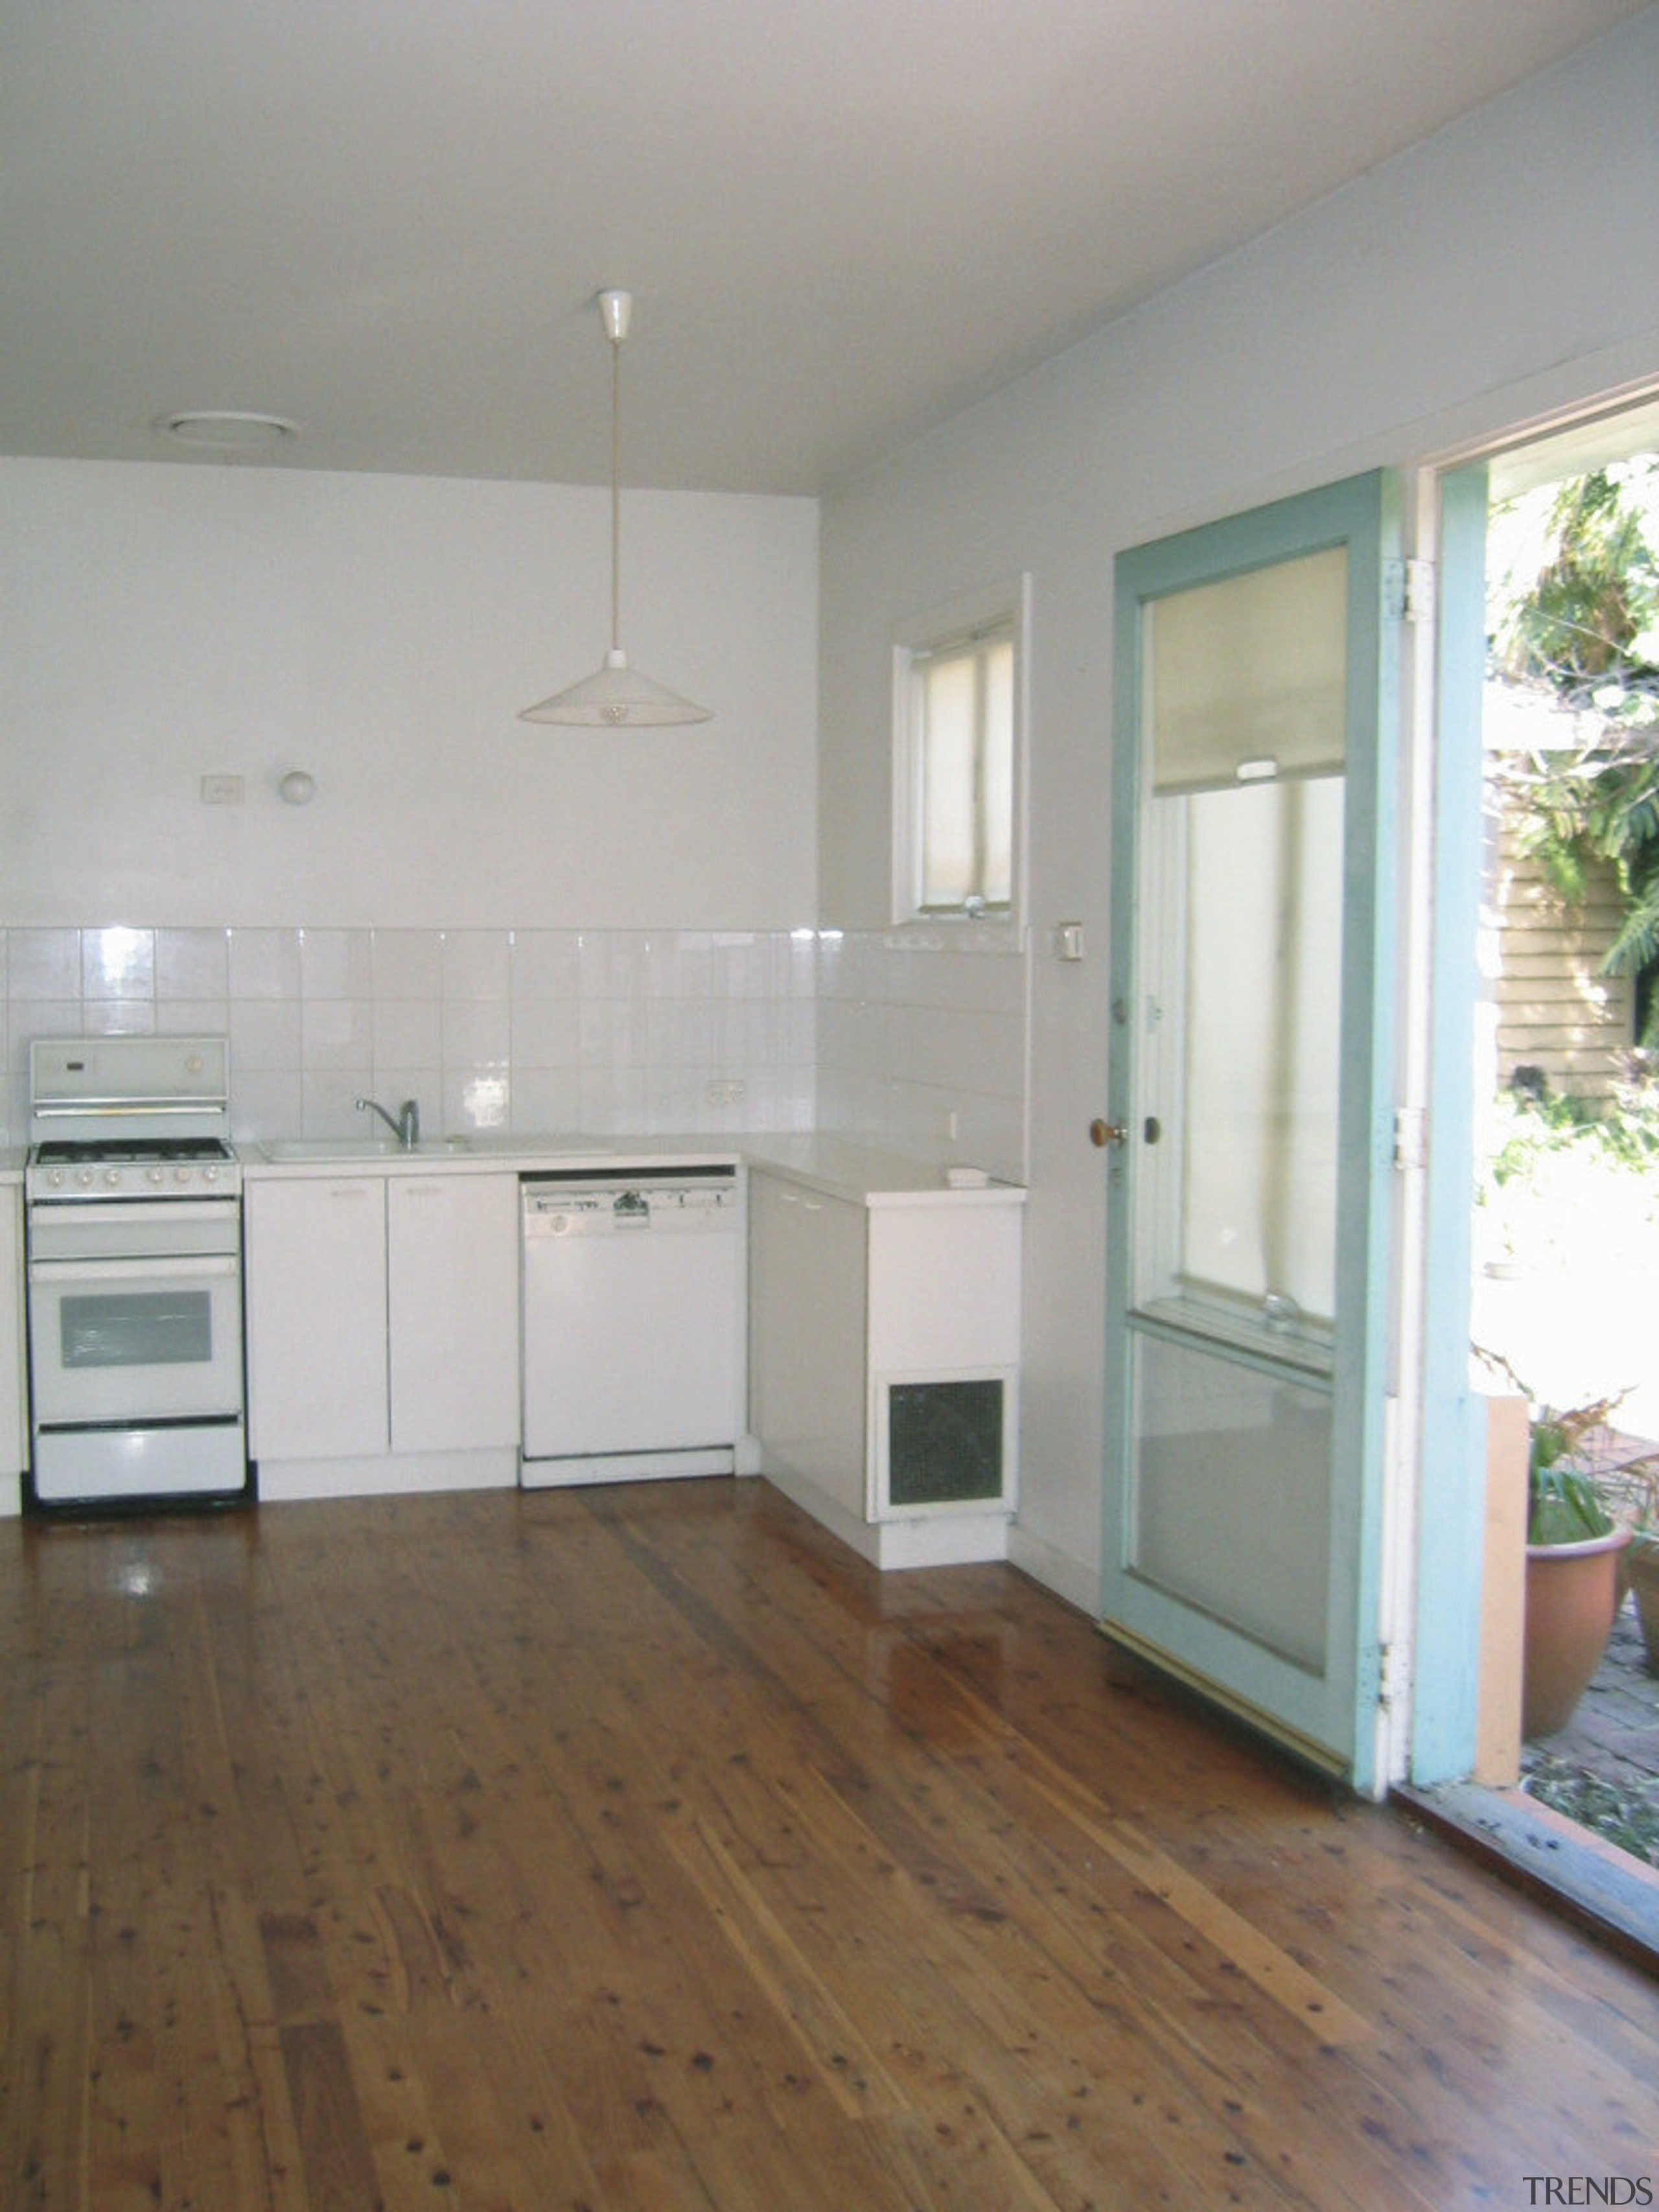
279, 1151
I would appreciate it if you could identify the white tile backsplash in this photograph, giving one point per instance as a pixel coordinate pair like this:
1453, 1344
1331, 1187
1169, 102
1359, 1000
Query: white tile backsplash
336, 1033
407, 964
546, 964
475, 1031
476, 963
117, 963
879, 1035
408, 1033
265, 1033
546, 1033
44, 963
919, 1032
336, 964
264, 964
192, 964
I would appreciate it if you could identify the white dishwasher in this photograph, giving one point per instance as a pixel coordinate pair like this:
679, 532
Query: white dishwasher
633, 1324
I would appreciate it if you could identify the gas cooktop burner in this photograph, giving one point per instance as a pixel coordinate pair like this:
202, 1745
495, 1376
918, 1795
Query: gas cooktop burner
101, 1149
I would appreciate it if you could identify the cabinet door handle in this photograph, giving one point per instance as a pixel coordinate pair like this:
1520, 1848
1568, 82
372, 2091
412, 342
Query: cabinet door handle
347, 1190
427, 1188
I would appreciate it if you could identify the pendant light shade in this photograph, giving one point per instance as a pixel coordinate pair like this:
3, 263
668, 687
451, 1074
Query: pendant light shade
616, 696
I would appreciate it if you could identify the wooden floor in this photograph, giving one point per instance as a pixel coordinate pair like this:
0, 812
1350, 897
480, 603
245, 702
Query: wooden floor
640, 1848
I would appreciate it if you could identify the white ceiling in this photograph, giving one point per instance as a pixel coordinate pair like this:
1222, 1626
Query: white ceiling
842, 219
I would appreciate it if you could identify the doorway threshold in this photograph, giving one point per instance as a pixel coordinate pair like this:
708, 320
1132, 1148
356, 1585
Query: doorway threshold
1606, 1889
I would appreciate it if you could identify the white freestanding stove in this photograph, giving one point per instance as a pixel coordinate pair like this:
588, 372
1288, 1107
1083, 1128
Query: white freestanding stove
134, 1272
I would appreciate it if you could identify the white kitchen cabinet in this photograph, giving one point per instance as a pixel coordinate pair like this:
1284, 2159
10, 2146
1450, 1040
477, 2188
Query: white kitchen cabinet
383, 1331
453, 1288
884, 1363
14, 1416
806, 1337
316, 1289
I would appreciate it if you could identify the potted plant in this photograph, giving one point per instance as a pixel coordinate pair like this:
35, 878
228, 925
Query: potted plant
1642, 1560
1574, 1548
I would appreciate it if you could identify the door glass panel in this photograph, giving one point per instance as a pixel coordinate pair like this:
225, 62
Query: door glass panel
136, 1328
1230, 1493
1237, 1210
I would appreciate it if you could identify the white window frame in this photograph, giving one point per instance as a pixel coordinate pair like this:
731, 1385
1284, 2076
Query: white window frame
1004, 607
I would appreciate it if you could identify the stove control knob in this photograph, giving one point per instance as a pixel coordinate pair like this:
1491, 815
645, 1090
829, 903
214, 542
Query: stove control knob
181, 1175
154, 1174
84, 1178
112, 1177
56, 1178
210, 1175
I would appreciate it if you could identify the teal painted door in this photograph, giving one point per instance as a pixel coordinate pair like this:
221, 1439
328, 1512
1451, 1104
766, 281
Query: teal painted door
1250, 1088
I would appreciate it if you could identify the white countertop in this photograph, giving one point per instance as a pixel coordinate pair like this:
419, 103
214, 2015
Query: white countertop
831, 1164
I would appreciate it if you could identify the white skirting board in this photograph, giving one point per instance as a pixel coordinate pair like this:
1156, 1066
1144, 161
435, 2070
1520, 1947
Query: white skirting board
625, 1466
1078, 1580
280, 1480
946, 1540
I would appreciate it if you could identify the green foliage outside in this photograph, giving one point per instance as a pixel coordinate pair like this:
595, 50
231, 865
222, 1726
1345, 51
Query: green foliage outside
1573, 609
1623, 1133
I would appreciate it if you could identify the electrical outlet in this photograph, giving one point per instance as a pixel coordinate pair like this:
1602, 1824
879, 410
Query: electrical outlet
728, 1092
949, 1125
221, 791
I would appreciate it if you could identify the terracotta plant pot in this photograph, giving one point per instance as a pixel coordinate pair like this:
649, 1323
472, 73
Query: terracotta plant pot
1571, 1592
1642, 1568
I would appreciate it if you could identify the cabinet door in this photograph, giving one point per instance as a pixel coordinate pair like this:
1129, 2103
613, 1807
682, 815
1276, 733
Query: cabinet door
806, 1294
944, 1288
453, 1252
316, 1318
12, 1425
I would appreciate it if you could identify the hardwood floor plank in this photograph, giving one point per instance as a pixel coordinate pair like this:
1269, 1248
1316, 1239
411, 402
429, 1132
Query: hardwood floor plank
642, 1849
339, 2172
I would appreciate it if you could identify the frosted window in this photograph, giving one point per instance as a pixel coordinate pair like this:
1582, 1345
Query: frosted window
1250, 671
964, 708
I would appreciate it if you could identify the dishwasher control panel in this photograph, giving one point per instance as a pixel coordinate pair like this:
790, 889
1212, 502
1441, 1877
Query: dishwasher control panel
615, 1204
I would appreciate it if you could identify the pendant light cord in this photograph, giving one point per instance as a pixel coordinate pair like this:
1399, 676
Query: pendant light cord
616, 495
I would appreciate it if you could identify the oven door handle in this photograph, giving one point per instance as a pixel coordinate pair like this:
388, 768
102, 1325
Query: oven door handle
187, 1267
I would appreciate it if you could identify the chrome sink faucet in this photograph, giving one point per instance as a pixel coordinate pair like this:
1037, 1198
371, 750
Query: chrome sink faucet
407, 1127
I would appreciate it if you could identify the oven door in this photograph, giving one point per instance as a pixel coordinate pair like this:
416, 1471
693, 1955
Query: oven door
136, 1340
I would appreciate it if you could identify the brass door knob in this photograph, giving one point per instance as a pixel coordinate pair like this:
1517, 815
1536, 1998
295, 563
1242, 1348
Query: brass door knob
1102, 1134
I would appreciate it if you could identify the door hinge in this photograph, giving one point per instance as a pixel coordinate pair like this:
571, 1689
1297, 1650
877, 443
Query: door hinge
1388, 1674
1410, 1136
1410, 589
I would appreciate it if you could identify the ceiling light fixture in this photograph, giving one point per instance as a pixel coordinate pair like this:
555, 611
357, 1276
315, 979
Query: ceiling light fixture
228, 430
616, 696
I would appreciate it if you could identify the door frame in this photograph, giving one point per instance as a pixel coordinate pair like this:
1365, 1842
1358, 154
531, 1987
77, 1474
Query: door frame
1363, 513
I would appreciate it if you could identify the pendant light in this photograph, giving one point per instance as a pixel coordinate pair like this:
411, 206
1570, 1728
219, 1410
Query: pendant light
616, 696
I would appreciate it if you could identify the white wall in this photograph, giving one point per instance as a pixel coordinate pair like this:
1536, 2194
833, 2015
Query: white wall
1515, 254
158, 623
